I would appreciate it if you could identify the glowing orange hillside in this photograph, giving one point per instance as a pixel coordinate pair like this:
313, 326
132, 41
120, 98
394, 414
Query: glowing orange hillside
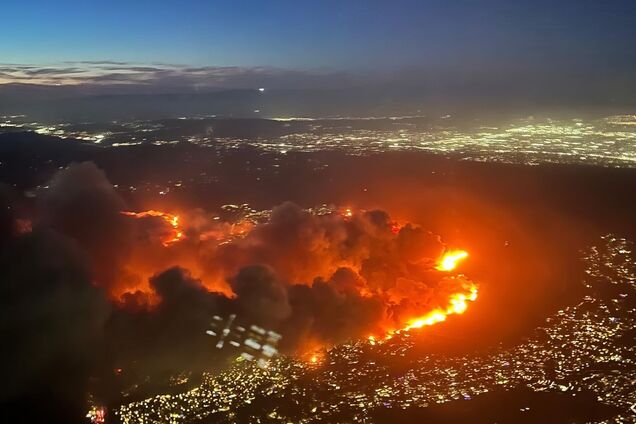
173, 220
457, 302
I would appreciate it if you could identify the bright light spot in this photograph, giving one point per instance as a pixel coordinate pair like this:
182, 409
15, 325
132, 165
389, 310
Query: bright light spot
450, 259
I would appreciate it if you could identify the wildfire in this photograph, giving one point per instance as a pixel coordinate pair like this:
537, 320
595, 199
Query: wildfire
460, 292
347, 213
172, 220
450, 259
457, 304
97, 414
314, 357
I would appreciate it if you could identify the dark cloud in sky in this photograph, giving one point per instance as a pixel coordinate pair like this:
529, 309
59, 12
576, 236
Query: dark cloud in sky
173, 77
35, 72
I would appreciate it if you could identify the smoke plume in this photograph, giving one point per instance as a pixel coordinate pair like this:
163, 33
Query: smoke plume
94, 286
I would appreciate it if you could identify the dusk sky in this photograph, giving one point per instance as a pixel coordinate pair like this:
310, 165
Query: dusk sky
340, 35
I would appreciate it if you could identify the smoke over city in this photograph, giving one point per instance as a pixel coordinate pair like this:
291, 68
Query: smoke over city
114, 286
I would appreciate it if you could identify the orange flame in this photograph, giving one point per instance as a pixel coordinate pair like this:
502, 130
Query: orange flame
450, 260
346, 213
172, 220
315, 357
457, 304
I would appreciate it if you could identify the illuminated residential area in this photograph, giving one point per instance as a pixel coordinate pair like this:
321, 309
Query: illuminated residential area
578, 349
606, 141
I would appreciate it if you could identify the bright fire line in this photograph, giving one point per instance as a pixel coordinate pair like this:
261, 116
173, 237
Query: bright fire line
172, 220
457, 303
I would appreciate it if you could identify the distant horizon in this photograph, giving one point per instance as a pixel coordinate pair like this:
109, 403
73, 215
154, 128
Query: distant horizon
496, 45
325, 59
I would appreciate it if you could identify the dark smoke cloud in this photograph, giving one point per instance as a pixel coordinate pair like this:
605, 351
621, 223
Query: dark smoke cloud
301, 246
331, 311
81, 203
170, 336
260, 296
315, 279
6, 215
344, 276
51, 323
359, 273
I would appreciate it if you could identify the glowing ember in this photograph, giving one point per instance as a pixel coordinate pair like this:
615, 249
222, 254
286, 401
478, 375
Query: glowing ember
450, 259
172, 220
97, 414
314, 354
23, 226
